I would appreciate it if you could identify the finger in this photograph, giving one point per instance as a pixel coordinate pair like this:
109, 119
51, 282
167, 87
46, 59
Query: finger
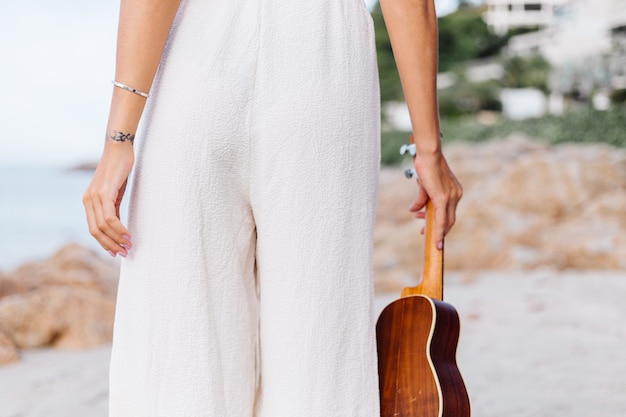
440, 225
91, 217
450, 216
109, 244
107, 237
420, 200
95, 231
420, 215
422, 230
117, 210
126, 235
118, 201
116, 229
452, 206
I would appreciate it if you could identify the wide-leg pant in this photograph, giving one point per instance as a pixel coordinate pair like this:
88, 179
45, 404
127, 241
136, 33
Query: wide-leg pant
249, 288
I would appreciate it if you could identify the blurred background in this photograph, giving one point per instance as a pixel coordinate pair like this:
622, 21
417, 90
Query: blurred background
532, 98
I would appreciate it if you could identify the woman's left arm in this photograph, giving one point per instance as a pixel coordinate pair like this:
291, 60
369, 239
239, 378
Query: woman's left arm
143, 29
412, 27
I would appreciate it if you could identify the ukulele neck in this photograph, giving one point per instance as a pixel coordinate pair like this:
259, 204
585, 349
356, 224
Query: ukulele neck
432, 278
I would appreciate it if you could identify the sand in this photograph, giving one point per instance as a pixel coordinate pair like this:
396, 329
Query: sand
540, 343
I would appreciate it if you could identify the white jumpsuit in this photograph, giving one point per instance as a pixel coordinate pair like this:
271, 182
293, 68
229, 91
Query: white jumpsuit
249, 288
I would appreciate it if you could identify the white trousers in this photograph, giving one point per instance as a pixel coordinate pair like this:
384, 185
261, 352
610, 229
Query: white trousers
249, 288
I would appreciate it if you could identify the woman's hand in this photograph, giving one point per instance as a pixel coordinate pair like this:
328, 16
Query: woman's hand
437, 183
104, 194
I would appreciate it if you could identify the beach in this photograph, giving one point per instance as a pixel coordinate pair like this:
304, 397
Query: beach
542, 343
536, 267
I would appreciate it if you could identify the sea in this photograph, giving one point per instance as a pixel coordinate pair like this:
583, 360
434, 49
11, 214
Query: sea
41, 210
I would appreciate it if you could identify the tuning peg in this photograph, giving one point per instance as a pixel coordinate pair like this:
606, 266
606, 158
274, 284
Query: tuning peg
411, 173
408, 148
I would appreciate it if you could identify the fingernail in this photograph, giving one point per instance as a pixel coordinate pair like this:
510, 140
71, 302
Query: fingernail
125, 246
111, 253
122, 254
440, 245
126, 237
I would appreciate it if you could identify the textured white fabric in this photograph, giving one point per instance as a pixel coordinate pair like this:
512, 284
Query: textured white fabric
249, 288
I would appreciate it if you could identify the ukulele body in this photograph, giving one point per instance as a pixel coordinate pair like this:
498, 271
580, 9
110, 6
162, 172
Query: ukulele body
417, 337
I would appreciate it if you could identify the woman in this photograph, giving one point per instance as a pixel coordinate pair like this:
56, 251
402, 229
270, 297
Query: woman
246, 287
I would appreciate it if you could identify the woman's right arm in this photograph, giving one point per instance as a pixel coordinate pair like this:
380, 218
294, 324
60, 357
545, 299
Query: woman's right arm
412, 27
143, 29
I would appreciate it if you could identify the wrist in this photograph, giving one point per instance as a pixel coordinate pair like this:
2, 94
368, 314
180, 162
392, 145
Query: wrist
427, 144
118, 153
119, 141
120, 136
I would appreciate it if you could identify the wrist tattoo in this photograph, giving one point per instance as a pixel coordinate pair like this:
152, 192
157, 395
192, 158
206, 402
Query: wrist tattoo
121, 136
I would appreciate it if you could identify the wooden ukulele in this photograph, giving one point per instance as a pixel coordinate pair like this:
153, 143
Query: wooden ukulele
417, 336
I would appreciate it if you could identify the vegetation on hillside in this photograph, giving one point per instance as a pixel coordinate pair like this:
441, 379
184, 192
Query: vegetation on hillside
463, 36
581, 126
390, 87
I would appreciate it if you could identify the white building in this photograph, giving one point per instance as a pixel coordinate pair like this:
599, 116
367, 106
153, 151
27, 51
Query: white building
571, 29
584, 40
502, 15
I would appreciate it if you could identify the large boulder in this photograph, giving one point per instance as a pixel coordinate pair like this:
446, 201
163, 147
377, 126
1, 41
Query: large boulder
59, 317
71, 266
526, 205
66, 301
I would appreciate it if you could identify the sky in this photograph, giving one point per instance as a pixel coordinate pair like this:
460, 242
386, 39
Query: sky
56, 79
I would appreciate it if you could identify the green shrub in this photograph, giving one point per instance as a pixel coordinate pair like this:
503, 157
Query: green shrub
522, 72
468, 98
464, 36
390, 87
618, 96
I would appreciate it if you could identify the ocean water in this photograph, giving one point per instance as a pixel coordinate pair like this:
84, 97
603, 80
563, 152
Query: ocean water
40, 210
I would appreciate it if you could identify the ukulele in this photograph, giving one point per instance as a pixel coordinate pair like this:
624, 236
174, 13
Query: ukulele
417, 337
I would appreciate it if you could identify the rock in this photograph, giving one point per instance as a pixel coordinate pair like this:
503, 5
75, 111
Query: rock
595, 238
59, 317
66, 301
536, 212
73, 266
84, 166
8, 350
559, 182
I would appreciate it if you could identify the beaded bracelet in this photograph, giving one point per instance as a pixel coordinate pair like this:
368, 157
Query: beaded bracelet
127, 88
